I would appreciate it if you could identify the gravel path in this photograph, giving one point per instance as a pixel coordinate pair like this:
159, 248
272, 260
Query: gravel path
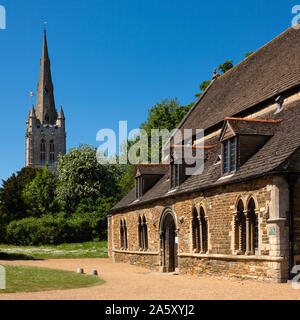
125, 281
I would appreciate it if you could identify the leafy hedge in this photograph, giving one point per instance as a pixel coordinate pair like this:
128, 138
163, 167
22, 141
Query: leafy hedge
56, 229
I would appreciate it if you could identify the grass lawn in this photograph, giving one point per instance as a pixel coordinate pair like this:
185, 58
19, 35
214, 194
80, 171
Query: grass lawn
66, 250
30, 279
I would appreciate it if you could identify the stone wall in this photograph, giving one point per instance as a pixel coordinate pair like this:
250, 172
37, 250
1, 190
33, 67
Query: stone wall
150, 261
219, 205
225, 267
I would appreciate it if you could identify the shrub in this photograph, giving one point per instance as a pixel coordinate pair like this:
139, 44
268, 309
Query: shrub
56, 229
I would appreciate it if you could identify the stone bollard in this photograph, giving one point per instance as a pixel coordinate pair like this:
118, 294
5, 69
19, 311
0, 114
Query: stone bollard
94, 272
80, 270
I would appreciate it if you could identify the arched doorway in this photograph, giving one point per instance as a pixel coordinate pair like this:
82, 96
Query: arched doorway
168, 242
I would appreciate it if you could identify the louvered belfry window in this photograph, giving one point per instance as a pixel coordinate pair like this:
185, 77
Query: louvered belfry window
51, 151
43, 151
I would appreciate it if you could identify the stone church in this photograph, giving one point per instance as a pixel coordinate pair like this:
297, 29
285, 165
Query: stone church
45, 129
241, 216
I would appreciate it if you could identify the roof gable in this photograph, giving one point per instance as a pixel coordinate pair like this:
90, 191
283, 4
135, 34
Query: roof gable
227, 131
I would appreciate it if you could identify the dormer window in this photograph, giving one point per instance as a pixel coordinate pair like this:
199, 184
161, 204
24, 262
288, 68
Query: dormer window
139, 186
241, 138
146, 175
175, 174
229, 155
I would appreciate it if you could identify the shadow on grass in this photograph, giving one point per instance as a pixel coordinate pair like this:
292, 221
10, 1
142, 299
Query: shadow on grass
16, 256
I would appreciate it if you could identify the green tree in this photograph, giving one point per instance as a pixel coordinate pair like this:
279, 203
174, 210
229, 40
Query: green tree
165, 115
227, 65
12, 205
127, 179
203, 87
39, 194
82, 179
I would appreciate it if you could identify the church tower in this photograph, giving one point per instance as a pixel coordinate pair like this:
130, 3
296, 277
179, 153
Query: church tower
45, 130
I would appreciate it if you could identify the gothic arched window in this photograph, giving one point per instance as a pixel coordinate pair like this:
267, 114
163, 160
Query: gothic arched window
121, 234
125, 234
195, 231
140, 232
203, 231
240, 229
145, 233
43, 151
51, 151
252, 227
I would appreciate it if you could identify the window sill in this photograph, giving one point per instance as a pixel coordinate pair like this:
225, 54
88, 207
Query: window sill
135, 252
232, 257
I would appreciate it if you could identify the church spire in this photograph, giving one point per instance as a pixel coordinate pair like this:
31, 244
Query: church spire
45, 109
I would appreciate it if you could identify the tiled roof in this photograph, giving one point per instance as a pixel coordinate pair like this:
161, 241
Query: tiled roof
261, 76
278, 149
159, 169
266, 73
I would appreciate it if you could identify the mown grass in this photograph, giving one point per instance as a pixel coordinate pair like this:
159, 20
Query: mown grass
66, 250
32, 279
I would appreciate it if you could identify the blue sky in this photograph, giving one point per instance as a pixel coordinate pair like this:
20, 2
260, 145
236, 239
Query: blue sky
112, 60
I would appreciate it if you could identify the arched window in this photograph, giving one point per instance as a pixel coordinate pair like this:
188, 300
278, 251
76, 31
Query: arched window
199, 231
51, 151
240, 229
43, 151
140, 232
203, 231
195, 231
121, 235
125, 235
145, 233
252, 227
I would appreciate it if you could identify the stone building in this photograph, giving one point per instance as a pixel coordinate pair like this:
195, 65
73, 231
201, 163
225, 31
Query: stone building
241, 216
45, 130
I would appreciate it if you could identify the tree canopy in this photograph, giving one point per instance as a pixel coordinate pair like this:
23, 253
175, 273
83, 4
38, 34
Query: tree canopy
12, 205
39, 194
82, 178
